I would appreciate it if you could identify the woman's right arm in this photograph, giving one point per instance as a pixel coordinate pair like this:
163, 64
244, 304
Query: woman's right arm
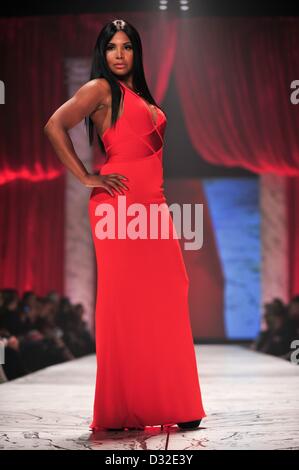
73, 111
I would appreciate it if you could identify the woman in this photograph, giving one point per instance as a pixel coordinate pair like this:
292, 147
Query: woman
146, 365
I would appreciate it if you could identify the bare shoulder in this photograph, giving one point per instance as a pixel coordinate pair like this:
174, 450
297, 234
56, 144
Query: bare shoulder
99, 83
91, 96
99, 88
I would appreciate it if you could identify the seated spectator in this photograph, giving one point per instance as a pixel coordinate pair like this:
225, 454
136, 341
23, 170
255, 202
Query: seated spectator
293, 313
293, 316
38, 332
276, 339
75, 331
13, 366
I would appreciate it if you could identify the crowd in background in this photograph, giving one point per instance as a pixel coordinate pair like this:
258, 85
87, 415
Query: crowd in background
280, 334
37, 332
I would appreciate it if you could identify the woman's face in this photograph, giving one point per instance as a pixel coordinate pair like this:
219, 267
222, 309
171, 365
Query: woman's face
119, 54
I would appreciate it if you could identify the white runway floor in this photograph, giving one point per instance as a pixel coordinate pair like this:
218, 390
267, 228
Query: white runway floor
251, 399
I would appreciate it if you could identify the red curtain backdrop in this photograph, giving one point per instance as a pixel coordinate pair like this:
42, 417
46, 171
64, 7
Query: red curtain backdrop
31, 178
233, 77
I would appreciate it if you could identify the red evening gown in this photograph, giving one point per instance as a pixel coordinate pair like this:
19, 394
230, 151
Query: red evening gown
146, 364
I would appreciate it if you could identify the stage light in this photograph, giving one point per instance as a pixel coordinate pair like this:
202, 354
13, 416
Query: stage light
163, 5
184, 5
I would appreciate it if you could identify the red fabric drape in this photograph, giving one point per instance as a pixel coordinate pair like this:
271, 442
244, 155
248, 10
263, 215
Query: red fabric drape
31, 177
233, 78
32, 250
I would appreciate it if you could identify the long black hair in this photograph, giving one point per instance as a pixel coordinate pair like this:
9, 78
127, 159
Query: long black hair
100, 69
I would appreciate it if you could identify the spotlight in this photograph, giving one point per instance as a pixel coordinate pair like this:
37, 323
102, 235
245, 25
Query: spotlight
184, 5
163, 4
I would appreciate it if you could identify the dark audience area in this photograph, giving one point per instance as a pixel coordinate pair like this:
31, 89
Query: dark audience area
37, 332
279, 335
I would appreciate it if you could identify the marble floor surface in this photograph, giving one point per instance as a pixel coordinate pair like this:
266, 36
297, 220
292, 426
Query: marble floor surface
251, 400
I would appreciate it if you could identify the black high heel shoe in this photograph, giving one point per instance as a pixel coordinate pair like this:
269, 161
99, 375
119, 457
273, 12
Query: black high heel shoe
115, 429
130, 429
137, 428
189, 424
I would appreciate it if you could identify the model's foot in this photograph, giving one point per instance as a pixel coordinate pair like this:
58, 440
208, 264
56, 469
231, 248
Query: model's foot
139, 428
115, 429
189, 424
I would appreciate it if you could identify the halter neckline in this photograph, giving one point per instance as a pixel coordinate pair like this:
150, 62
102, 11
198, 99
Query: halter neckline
146, 104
